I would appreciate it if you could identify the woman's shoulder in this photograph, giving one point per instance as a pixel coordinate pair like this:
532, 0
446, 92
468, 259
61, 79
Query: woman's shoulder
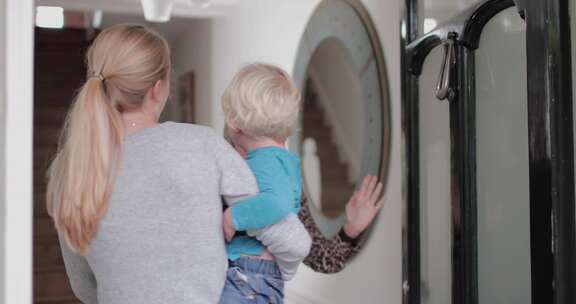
190, 133
188, 128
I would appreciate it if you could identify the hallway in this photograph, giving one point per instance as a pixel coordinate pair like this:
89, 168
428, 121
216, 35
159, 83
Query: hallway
61, 51
462, 108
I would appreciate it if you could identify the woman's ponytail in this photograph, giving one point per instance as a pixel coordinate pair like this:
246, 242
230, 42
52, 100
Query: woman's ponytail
82, 174
129, 60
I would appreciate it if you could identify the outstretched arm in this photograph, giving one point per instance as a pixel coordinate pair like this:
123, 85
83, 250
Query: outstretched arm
331, 255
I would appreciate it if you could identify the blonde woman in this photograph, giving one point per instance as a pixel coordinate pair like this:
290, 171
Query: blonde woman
137, 204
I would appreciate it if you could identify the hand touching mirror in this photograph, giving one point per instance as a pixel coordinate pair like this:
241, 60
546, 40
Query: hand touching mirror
363, 206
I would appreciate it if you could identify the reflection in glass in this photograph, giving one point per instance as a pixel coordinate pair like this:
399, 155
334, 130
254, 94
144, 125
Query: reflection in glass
334, 183
312, 171
429, 24
435, 208
502, 162
440, 11
341, 131
332, 128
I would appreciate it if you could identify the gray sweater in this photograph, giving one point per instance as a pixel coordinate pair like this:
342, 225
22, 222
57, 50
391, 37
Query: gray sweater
161, 240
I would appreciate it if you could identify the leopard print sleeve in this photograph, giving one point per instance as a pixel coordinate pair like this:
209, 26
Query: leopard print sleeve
326, 255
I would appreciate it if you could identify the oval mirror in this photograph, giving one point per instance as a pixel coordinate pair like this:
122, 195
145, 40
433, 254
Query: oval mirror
345, 128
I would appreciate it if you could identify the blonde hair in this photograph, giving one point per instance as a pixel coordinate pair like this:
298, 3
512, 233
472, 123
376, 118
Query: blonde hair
123, 63
262, 101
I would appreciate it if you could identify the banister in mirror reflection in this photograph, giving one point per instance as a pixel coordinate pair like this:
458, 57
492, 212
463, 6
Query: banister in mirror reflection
311, 173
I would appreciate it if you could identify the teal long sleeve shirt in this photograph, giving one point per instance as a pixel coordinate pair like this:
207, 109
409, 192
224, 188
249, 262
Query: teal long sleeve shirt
278, 175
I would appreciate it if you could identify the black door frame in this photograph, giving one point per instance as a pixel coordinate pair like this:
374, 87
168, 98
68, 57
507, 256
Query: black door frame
550, 136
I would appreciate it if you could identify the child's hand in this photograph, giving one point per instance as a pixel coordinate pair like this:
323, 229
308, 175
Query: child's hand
229, 229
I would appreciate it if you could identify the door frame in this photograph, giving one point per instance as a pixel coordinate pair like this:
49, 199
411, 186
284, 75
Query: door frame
550, 136
16, 104
551, 141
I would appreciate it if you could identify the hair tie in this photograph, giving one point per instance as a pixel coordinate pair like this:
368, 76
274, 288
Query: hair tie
97, 75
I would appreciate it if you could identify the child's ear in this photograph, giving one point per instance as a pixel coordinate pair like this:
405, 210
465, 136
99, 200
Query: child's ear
232, 127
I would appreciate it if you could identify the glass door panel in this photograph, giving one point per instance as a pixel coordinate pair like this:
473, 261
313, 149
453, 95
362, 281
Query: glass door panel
435, 12
503, 162
435, 209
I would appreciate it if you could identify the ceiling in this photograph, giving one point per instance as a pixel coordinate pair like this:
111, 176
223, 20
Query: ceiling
181, 7
172, 29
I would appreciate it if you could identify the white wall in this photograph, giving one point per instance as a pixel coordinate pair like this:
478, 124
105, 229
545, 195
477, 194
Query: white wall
270, 30
255, 30
2, 142
16, 56
190, 43
192, 51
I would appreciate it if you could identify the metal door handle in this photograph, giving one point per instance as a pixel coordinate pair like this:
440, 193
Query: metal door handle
443, 89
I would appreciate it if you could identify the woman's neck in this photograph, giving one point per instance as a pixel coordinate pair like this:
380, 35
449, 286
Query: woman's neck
136, 121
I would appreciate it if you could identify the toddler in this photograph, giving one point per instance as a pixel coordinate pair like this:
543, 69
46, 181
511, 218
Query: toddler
261, 106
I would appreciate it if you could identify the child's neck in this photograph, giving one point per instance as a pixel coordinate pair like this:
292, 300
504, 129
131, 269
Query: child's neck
251, 144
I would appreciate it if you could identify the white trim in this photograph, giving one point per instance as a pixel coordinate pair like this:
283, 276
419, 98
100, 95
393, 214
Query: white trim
17, 74
217, 9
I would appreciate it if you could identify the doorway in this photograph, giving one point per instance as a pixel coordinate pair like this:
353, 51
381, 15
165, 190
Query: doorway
489, 149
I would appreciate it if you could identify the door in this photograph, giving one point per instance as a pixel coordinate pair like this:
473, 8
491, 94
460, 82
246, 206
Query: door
488, 187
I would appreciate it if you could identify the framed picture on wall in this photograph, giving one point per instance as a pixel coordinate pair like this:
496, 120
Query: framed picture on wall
187, 91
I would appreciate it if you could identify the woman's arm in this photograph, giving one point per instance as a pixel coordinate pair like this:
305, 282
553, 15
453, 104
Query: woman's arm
236, 180
331, 255
80, 274
326, 255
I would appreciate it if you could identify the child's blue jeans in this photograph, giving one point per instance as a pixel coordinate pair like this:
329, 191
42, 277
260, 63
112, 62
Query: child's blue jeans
254, 281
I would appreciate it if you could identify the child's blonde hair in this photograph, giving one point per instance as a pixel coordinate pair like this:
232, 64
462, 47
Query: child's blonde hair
262, 101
